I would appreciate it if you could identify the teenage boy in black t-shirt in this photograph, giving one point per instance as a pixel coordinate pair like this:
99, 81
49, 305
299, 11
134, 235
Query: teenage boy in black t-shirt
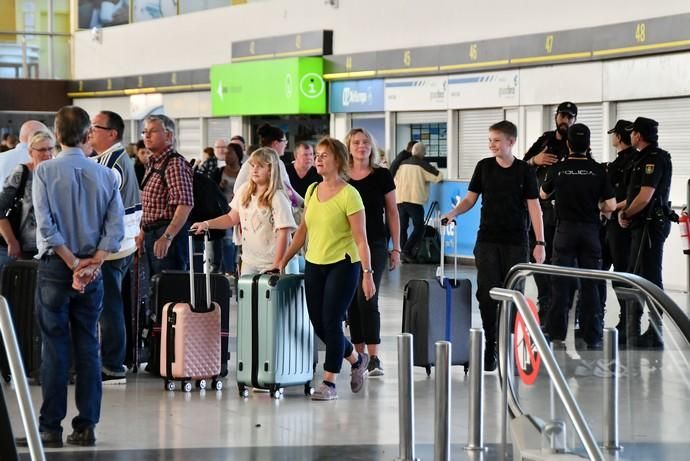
508, 187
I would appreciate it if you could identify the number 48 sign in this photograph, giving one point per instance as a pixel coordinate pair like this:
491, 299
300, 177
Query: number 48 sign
527, 359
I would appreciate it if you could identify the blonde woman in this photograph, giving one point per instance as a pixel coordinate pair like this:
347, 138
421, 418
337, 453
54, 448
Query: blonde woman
263, 211
337, 251
377, 189
21, 243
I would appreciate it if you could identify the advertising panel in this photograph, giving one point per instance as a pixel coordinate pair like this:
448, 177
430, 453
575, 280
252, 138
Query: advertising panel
411, 94
357, 96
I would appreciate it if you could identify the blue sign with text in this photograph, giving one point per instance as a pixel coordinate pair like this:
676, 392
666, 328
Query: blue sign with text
357, 96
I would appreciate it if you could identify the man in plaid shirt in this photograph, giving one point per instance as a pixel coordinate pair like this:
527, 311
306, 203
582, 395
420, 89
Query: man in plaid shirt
167, 198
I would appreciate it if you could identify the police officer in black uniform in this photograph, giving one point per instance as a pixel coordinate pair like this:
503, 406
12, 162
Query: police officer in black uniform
582, 191
549, 149
648, 214
616, 238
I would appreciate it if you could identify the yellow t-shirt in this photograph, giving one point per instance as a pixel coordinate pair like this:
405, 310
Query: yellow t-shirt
328, 229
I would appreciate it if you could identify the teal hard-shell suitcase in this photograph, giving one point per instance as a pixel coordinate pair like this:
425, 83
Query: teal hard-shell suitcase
275, 338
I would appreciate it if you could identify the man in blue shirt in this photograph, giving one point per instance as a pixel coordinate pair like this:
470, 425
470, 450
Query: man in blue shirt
79, 221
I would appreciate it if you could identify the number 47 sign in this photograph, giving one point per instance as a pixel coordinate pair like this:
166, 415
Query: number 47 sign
527, 359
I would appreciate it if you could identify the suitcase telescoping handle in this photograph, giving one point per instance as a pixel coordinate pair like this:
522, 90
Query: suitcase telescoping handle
445, 224
206, 270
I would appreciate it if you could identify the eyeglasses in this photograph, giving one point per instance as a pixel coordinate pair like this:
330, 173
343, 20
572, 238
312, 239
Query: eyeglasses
43, 150
101, 127
151, 132
321, 156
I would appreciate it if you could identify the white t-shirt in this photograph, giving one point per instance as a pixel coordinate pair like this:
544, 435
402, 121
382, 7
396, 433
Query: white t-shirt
259, 226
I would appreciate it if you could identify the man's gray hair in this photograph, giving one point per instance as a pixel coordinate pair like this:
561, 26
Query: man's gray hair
166, 122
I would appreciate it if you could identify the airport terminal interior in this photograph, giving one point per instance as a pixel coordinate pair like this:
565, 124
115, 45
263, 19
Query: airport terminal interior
439, 73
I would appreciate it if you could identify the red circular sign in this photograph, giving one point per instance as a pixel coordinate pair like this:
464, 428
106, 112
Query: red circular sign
527, 359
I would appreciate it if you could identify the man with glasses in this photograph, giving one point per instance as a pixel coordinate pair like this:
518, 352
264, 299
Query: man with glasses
106, 140
167, 198
220, 149
549, 149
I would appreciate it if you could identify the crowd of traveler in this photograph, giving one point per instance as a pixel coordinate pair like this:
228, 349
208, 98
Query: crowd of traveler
338, 207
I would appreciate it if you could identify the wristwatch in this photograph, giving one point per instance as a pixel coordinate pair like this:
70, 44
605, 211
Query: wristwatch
368, 271
168, 237
540, 242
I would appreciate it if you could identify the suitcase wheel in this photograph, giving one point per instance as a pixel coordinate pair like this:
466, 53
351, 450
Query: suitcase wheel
428, 370
217, 384
244, 392
201, 384
308, 390
169, 385
276, 391
187, 386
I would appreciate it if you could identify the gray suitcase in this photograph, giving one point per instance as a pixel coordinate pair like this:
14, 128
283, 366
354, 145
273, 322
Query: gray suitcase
437, 310
275, 338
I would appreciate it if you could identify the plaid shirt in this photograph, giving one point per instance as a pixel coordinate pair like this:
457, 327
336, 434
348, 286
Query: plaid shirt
158, 201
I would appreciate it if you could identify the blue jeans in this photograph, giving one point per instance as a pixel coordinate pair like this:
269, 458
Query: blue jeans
68, 322
329, 289
113, 335
177, 258
229, 253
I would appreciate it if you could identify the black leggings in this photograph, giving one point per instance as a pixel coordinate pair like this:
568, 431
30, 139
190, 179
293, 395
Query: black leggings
363, 314
329, 289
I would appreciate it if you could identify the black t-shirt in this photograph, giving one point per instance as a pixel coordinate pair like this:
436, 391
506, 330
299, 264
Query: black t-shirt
555, 146
301, 184
579, 183
504, 191
618, 172
651, 168
373, 190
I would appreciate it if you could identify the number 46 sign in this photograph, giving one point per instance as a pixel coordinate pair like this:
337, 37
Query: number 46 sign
527, 359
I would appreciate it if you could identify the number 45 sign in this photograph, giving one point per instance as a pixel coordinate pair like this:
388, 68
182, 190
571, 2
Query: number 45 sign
527, 359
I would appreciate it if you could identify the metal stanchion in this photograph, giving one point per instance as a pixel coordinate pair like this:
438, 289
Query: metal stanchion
442, 405
475, 424
14, 358
611, 441
405, 398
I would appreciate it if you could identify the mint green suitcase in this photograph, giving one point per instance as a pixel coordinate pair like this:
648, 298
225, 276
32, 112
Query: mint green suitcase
275, 338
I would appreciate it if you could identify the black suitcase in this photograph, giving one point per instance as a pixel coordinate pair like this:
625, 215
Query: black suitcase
172, 286
18, 285
135, 296
437, 310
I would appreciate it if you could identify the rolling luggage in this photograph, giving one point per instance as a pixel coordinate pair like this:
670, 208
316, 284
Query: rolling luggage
18, 285
275, 338
170, 286
190, 338
428, 250
436, 310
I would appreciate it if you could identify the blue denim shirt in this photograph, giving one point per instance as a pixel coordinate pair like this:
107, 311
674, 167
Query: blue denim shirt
77, 204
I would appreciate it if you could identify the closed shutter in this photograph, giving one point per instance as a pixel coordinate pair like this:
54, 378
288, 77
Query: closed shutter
218, 128
189, 137
592, 115
474, 137
126, 134
674, 129
407, 118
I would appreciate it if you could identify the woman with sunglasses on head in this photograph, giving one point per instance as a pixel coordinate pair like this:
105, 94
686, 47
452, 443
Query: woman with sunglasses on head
333, 223
21, 242
377, 189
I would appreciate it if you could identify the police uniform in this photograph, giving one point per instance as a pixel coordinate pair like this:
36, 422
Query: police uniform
618, 238
651, 226
578, 184
559, 148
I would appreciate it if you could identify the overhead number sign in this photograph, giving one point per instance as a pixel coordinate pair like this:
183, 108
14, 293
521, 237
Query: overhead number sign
527, 359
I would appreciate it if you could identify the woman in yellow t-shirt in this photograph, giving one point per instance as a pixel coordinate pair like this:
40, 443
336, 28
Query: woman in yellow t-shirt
334, 221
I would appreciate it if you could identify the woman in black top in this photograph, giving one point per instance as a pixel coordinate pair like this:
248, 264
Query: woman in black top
377, 189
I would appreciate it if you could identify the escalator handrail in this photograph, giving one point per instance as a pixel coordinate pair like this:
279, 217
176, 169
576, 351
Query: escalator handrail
652, 292
567, 398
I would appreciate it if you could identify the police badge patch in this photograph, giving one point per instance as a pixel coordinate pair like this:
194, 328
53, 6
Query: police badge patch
649, 168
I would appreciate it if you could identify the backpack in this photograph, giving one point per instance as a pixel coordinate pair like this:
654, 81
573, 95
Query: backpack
209, 200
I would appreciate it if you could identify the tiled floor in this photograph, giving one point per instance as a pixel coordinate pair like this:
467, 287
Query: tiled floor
141, 421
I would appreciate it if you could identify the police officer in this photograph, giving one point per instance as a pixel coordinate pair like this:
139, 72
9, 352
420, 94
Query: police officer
581, 191
616, 238
647, 214
550, 148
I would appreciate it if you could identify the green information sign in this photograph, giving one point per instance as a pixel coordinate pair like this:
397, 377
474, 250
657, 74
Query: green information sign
274, 87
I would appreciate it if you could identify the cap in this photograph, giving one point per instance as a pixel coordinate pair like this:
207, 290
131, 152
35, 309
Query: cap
644, 125
621, 126
567, 108
578, 137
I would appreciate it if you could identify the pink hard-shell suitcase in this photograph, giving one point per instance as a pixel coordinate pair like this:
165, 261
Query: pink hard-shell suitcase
190, 338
